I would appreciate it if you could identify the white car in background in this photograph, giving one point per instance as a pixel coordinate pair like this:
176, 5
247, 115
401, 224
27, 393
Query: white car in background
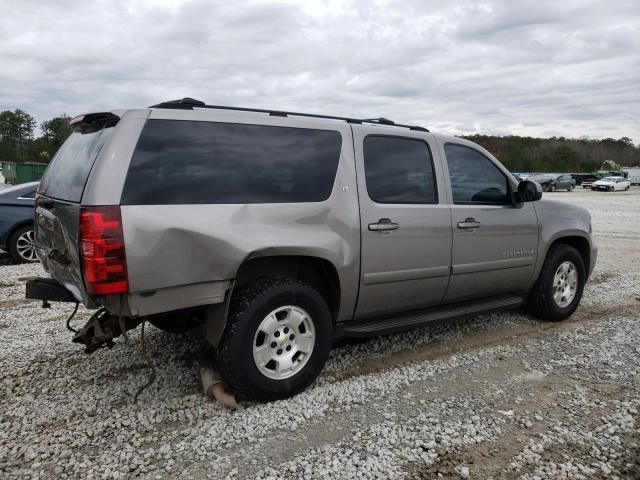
609, 184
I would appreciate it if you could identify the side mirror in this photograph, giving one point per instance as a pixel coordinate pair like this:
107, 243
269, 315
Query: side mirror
529, 191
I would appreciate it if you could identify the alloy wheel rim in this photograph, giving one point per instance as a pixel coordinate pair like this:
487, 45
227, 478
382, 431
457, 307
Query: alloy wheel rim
565, 284
284, 342
25, 246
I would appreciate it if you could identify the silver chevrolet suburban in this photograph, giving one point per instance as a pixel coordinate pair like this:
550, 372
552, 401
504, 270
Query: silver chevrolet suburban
278, 232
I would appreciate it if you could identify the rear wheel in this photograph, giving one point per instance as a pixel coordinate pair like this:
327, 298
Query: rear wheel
558, 290
277, 340
553, 188
21, 246
570, 189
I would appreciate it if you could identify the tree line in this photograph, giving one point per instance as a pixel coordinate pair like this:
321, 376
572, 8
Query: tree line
559, 154
18, 143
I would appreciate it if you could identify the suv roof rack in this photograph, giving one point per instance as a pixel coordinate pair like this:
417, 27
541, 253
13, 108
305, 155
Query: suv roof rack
191, 103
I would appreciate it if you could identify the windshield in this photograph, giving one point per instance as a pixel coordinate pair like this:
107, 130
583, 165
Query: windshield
67, 173
610, 179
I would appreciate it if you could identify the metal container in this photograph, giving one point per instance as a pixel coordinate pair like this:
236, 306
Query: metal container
16, 173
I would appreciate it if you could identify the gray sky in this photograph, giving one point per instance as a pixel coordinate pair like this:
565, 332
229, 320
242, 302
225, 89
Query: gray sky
540, 68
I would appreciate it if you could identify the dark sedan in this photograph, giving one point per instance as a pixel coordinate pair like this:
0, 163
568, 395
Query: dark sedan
16, 221
551, 182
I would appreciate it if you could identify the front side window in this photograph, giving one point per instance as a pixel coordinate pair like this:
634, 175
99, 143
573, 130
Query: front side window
474, 178
399, 170
189, 162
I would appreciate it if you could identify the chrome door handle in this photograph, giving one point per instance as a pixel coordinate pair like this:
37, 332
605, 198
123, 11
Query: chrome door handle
469, 224
383, 225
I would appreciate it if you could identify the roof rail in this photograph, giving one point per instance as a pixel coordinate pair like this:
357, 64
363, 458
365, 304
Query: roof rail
191, 103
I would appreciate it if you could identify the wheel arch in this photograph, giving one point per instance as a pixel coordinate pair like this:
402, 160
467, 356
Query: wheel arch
318, 272
580, 243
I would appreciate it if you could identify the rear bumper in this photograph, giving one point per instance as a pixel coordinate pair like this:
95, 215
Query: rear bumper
47, 290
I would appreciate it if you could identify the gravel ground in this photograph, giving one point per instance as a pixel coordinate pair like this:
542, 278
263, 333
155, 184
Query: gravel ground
498, 396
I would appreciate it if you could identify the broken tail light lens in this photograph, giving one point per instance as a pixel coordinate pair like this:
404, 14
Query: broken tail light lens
102, 251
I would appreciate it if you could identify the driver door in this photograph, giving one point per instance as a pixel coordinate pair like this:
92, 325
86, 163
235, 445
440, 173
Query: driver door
494, 242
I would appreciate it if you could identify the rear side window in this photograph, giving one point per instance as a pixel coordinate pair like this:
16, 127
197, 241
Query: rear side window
187, 162
69, 169
398, 170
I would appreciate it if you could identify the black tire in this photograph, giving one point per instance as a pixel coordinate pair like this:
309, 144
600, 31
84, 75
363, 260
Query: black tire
553, 188
541, 302
570, 189
627, 188
249, 306
13, 244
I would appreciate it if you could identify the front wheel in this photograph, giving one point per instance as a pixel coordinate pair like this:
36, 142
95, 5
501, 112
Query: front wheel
570, 189
558, 290
553, 188
277, 340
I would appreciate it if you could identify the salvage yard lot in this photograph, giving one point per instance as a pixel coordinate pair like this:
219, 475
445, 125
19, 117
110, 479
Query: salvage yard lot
498, 396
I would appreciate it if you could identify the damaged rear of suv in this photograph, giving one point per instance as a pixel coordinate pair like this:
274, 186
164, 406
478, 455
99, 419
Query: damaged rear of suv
158, 215
277, 232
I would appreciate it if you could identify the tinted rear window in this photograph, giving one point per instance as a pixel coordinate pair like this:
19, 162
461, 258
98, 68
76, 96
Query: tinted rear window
398, 170
182, 162
69, 169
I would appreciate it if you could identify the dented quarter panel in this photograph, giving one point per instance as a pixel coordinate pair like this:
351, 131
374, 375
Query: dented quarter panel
173, 245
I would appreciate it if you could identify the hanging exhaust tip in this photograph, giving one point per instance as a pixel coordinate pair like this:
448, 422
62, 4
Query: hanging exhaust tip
216, 388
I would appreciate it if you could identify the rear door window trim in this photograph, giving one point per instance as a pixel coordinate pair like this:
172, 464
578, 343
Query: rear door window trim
436, 200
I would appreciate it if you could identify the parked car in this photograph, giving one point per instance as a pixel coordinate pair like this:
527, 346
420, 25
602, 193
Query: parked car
633, 174
610, 184
522, 176
551, 182
16, 221
279, 232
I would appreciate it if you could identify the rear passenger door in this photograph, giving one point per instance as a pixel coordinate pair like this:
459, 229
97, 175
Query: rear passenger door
406, 231
494, 242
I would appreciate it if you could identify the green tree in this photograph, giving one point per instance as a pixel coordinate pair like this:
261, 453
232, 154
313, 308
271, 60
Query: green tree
56, 131
16, 133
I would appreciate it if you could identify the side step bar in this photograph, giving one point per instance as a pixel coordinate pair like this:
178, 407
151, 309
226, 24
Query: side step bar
405, 321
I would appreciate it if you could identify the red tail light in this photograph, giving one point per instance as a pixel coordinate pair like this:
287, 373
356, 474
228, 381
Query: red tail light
102, 250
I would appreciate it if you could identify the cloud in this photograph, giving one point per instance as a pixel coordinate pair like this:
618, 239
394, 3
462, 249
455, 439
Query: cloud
528, 68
